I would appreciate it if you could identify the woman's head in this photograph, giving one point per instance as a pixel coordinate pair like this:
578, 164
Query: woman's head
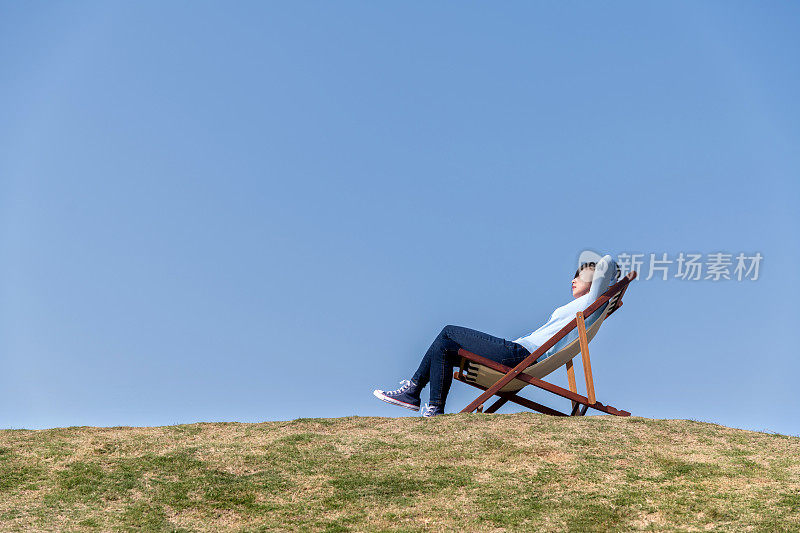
582, 280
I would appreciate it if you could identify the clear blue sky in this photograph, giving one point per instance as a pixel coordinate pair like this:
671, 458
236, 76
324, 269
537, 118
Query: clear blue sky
264, 211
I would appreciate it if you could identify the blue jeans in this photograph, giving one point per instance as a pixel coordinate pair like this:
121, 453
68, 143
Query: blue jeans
437, 365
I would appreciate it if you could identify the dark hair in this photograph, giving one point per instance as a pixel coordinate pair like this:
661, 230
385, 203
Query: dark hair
592, 264
584, 265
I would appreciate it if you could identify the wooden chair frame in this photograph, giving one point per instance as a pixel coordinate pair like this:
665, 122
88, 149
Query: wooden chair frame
580, 403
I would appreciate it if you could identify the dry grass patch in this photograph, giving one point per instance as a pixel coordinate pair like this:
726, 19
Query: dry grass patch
469, 472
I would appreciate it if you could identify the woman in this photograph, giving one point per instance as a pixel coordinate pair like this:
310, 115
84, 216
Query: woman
590, 281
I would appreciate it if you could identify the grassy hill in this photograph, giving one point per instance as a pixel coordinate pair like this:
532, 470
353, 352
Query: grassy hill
455, 472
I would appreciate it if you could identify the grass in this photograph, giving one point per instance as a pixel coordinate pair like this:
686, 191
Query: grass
455, 472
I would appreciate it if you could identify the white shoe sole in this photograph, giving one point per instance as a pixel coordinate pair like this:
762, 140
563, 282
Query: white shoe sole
379, 395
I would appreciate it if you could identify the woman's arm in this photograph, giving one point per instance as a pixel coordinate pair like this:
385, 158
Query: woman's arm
605, 275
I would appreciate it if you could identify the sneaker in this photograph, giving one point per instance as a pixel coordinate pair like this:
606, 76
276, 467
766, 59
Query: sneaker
432, 410
406, 396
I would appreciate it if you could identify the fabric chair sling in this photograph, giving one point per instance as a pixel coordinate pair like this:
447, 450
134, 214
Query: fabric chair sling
503, 381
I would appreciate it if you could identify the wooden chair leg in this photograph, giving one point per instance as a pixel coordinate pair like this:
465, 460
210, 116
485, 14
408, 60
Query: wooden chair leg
579, 409
496, 405
587, 364
571, 378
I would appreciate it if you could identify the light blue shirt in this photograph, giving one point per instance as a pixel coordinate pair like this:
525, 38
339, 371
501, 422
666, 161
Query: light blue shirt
605, 275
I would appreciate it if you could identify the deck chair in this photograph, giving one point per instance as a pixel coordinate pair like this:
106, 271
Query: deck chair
503, 381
